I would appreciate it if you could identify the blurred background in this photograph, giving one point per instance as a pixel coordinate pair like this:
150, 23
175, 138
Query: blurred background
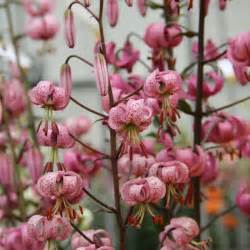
220, 26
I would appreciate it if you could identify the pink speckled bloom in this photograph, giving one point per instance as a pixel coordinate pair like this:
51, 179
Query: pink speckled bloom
179, 233
14, 97
69, 28
130, 119
112, 12
238, 53
38, 8
59, 228
143, 190
100, 237
171, 172
42, 229
166, 87
46, 94
7, 171
213, 84
61, 184
41, 28
243, 198
138, 166
37, 227
223, 128
78, 125
195, 160
54, 135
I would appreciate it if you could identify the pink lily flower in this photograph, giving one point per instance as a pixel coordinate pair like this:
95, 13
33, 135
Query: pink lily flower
54, 135
78, 125
38, 8
14, 97
46, 94
129, 120
222, 128
195, 160
213, 84
41, 28
211, 169
179, 233
238, 54
138, 166
243, 198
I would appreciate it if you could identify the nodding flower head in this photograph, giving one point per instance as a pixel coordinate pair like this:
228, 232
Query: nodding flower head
158, 35
78, 125
211, 51
41, 28
101, 240
238, 53
243, 198
54, 135
124, 59
166, 87
213, 84
130, 119
112, 12
179, 234
42, 229
138, 166
173, 174
141, 192
211, 169
47, 95
38, 8
14, 97
223, 128
63, 187
195, 160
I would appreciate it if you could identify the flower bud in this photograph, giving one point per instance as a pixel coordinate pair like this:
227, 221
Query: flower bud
113, 12
66, 80
69, 29
129, 2
101, 74
142, 6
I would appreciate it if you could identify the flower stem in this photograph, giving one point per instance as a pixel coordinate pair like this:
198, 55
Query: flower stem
198, 106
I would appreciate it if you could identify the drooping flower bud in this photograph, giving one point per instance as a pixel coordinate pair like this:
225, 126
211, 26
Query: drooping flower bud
129, 2
66, 80
101, 74
87, 3
113, 12
69, 28
7, 171
243, 198
142, 6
